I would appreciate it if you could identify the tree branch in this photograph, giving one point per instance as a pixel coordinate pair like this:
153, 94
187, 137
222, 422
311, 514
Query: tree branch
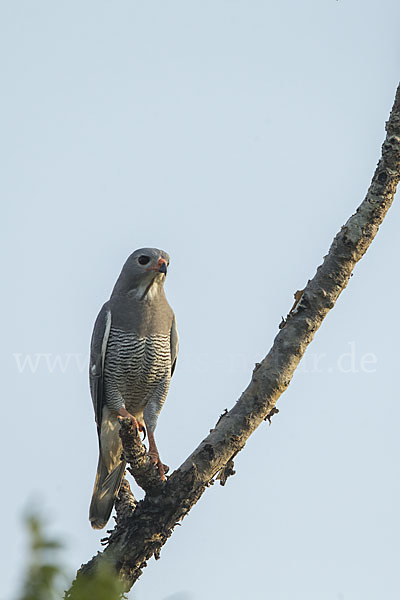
140, 466
148, 527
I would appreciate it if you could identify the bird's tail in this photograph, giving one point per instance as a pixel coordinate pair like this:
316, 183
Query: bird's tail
106, 488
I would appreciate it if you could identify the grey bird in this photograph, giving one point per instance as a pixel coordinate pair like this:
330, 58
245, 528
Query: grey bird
132, 358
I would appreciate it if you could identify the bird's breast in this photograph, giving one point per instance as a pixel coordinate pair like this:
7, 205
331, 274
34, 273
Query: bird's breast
137, 365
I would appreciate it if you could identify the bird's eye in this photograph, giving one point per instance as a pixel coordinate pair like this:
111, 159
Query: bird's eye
143, 260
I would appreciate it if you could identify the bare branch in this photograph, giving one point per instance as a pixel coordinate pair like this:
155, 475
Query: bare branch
153, 520
125, 503
140, 466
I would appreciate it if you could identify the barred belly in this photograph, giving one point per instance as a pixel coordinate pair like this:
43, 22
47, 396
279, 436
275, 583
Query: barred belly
137, 370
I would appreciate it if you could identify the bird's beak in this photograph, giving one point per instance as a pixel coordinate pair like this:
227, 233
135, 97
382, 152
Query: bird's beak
162, 266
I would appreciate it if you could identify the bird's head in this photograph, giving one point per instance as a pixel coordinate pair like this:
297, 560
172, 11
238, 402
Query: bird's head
144, 269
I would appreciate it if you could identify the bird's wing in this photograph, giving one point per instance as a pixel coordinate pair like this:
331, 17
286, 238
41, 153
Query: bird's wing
98, 347
174, 341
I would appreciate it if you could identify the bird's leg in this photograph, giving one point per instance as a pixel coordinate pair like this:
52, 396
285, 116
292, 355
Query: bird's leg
154, 456
122, 412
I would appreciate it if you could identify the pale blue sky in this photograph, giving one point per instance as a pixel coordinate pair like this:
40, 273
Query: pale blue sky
239, 137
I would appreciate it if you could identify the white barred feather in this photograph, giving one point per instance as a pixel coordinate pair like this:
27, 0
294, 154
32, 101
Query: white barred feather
137, 373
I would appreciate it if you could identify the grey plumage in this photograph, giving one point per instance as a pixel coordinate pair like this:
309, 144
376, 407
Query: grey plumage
133, 354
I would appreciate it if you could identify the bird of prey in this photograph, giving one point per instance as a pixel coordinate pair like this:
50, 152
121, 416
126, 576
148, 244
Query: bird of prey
132, 358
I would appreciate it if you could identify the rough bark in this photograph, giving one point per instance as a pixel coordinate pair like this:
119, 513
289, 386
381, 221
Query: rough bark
143, 470
142, 532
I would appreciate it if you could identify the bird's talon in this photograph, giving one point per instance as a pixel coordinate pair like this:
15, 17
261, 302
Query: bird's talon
124, 414
153, 457
155, 460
